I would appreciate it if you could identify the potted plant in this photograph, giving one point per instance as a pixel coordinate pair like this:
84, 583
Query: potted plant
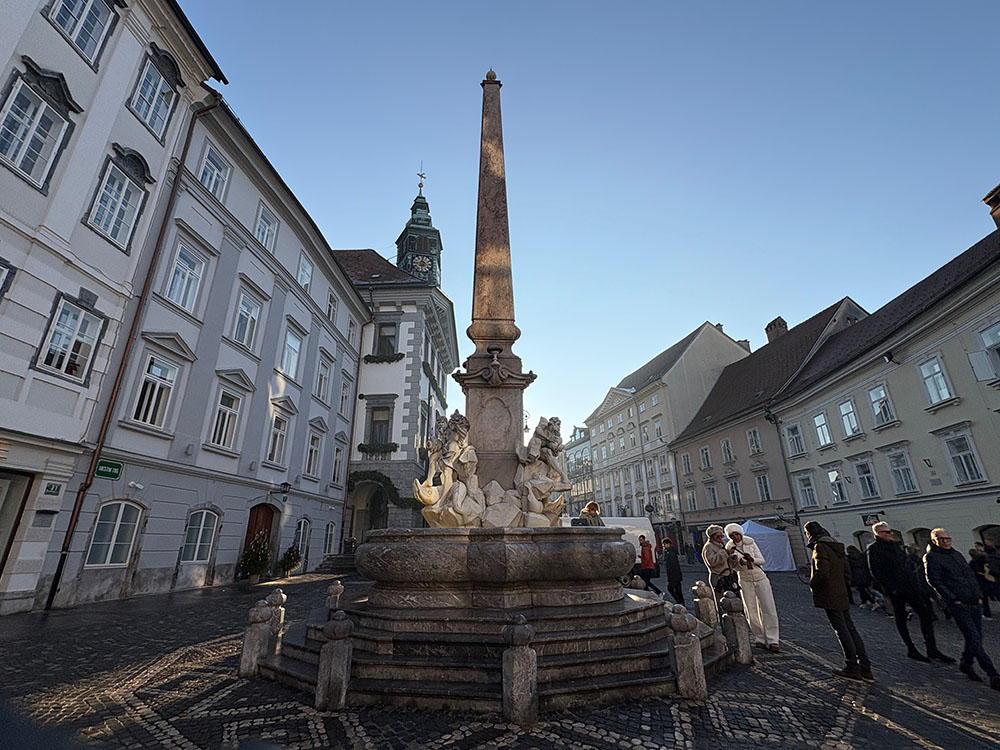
256, 558
290, 560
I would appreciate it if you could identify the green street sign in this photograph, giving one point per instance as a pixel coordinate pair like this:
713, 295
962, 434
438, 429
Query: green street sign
108, 469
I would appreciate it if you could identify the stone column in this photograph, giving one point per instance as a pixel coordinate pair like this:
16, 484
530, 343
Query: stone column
333, 592
276, 600
256, 639
520, 673
735, 627
704, 604
333, 673
689, 669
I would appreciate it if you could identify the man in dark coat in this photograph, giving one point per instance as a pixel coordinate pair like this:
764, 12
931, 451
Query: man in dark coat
887, 563
829, 580
674, 575
953, 579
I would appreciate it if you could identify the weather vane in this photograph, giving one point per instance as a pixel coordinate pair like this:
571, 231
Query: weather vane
422, 176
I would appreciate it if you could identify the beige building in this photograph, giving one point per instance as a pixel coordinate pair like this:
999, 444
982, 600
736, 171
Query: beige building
728, 458
895, 417
631, 429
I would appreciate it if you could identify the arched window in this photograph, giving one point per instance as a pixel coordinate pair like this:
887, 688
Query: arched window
199, 535
114, 534
330, 538
921, 538
302, 535
990, 535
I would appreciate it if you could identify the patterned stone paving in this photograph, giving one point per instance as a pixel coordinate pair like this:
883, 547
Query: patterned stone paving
159, 672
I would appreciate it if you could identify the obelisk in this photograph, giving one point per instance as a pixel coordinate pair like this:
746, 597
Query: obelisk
493, 382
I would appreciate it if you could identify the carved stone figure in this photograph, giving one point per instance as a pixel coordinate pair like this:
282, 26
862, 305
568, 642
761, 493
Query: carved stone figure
458, 501
539, 476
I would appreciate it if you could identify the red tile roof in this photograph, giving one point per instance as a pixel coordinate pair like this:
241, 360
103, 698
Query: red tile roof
367, 267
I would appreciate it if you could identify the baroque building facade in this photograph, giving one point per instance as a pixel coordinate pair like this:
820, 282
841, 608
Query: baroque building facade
577, 462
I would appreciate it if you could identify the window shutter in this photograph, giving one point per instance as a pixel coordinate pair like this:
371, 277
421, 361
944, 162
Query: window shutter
982, 366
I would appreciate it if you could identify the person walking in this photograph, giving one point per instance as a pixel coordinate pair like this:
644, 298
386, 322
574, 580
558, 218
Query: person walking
689, 553
887, 562
984, 577
755, 588
861, 578
829, 578
672, 563
953, 579
721, 567
647, 564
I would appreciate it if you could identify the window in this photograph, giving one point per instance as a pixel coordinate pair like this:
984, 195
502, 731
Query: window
706, 457
304, 276
153, 99
276, 443
301, 540
658, 427
655, 399
604, 451
807, 493
663, 463
713, 497
686, 463
602, 427
991, 366
290, 354
226, 414
753, 441
631, 439
849, 418
763, 488
610, 425
867, 485
727, 451
331, 308
385, 341
611, 446
881, 406
734, 493
198, 536
381, 431
247, 315
312, 454
345, 398
593, 432
154, 393
117, 205
31, 132
185, 279
352, 331
645, 433
935, 381
692, 499
650, 470
631, 413
6, 276
642, 406
901, 471
338, 464
838, 489
619, 418
71, 341
214, 173
793, 435
621, 442
85, 23
329, 538
267, 227
322, 380
822, 429
964, 462
113, 534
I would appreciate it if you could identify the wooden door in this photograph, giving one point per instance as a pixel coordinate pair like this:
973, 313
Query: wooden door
261, 518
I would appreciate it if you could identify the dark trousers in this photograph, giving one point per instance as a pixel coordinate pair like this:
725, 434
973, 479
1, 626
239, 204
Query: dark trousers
676, 589
647, 575
987, 589
969, 619
864, 594
922, 607
855, 656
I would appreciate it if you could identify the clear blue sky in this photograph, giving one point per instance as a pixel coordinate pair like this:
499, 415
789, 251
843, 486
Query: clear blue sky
668, 163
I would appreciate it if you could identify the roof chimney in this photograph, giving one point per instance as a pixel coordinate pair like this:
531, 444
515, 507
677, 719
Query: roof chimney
774, 329
745, 343
992, 200
719, 326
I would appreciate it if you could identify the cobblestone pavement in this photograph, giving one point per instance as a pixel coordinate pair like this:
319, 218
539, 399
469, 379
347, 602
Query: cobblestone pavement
159, 672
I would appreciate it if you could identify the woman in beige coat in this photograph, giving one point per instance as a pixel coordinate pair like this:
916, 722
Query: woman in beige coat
758, 600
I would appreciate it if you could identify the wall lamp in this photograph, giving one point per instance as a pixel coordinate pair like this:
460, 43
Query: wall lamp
887, 358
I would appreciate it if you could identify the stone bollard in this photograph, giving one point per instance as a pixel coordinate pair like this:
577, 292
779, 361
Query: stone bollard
704, 604
735, 627
276, 600
689, 669
333, 674
255, 639
333, 592
520, 673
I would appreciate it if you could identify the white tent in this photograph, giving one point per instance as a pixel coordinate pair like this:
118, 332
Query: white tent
773, 545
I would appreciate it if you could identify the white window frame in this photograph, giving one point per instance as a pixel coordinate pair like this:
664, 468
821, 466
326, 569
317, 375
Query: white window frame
165, 96
266, 226
735, 496
29, 133
77, 28
314, 448
990, 336
704, 457
837, 485
692, 500
214, 172
352, 332
72, 333
253, 320
849, 419
345, 397
806, 489
897, 484
291, 354
113, 214
338, 464
938, 378
763, 487
882, 410
199, 550
602, 428
323, 379
658, 427
726, 446
686, 463
153, 396
621, 442
642, 406
794, 439
113, 539
303, 530
823, 435
330, 538
277, 437
966, 467
184, 281
645, 433
713, 497
655, 399
305, 271
226, 421
867, 481
753, 441
332, 303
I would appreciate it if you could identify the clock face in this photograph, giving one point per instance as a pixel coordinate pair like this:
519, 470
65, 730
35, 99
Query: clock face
422, 264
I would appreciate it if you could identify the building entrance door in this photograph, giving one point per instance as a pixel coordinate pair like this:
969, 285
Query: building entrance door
261, 518
13, 493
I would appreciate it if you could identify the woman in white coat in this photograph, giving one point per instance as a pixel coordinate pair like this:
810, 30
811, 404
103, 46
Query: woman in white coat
758, 601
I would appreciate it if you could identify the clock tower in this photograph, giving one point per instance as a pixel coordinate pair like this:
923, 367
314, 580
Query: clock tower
418, 248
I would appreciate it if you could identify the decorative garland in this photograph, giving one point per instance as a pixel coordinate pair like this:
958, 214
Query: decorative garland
378, 359
391, 493
434, 384
378, 447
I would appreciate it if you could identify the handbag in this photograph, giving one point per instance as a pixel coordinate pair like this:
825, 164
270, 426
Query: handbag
728, 581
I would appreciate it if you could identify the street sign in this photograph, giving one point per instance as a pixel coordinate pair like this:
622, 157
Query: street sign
868, 519
108, 469
52, 488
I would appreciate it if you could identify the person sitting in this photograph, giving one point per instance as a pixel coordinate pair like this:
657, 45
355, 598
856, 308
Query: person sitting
591, 515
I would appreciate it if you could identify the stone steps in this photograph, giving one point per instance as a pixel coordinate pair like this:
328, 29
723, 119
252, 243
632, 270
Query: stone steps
336, 564
436, 695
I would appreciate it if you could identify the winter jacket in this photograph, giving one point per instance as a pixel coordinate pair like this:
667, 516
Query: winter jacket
715, 557
860, 575
591, 519
887, 562
748, 546
831, 575
647, 558
950, 575
673, 565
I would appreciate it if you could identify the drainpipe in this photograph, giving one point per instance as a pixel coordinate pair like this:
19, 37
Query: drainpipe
147, 284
